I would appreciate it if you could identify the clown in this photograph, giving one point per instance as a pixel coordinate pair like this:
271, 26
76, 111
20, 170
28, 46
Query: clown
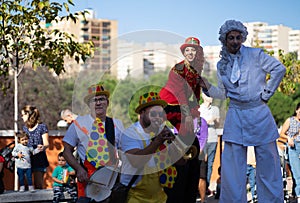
95, 135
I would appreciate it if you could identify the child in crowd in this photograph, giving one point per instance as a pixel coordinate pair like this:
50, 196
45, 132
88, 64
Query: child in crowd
62, 181
251, 172
23, 164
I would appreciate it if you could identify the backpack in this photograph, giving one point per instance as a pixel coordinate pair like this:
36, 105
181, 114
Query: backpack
6, 152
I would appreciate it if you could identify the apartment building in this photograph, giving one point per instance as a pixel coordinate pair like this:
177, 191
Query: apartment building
101, 32
141, 60
121, 58
294, 41
130, 60
270, 37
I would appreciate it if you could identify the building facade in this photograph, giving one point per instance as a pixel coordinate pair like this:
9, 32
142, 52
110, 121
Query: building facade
102, 32
122, 58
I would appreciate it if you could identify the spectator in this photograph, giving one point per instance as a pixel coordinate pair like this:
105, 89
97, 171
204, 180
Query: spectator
68, 116
251, 172
63, 181
212, 116
202, 133
38, 140
291, 131
23, 164
218, 189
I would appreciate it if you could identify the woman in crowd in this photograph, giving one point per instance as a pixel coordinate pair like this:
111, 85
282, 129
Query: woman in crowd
291, 131
38, 139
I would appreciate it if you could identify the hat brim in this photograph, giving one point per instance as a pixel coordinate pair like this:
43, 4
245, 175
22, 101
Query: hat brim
182, 48
160, 102
88, 97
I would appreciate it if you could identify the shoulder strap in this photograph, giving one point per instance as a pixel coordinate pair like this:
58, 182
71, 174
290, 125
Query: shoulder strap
133, 179
110, 130
110, 136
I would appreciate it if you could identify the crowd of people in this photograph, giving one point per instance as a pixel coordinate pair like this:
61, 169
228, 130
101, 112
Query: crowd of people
168, 154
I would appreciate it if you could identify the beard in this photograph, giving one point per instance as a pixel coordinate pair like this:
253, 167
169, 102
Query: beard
150, 126
146, 123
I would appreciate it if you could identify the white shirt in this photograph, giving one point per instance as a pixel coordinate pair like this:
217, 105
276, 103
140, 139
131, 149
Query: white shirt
77, 138
210, 113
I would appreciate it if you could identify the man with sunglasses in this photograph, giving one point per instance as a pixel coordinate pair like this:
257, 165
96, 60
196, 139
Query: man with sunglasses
81, 133
140, 144
242, 77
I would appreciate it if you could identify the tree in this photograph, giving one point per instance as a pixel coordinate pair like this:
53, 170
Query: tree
281, 107
289, 83
288, 93
26, 42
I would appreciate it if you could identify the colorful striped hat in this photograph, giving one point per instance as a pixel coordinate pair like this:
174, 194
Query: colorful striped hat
95, 90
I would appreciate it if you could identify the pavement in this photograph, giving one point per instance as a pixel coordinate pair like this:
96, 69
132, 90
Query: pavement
209, 199
37, 196
46, 195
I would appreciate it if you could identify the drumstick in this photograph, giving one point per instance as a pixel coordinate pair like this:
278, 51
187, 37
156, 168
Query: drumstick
116, 165
95, 182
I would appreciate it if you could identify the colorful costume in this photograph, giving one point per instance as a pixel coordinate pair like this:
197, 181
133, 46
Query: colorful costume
147, 187
78, 135
182, 93
91, 135
180, 87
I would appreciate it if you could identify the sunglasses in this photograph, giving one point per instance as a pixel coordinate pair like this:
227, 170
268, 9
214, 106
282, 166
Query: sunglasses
101, 99
160, 114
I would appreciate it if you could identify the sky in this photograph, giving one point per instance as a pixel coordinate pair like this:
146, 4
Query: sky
198, 18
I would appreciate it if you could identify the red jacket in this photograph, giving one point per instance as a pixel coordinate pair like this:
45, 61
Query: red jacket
182, 83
